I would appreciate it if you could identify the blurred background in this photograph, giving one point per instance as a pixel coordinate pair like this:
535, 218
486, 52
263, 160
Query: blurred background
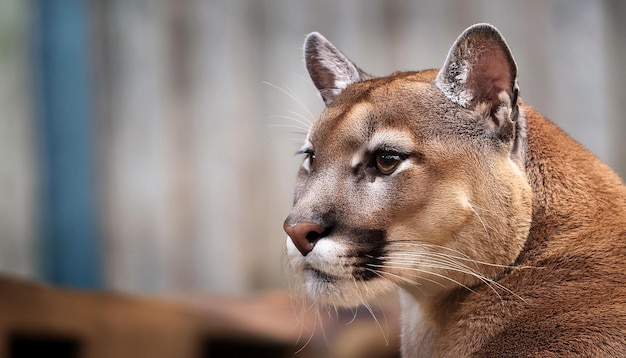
147, 146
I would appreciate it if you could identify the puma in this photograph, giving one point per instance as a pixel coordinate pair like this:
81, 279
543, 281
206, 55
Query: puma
503, 236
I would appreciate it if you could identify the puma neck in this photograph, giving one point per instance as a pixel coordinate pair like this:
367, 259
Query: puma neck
423, 319
589, 204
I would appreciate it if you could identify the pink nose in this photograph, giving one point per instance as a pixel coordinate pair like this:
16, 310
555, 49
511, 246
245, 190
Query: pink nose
304, 235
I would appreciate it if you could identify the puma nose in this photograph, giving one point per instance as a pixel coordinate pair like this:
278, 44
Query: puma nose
304, 235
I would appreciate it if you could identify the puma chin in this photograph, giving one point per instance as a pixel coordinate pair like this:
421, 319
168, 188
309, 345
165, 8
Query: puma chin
410, 181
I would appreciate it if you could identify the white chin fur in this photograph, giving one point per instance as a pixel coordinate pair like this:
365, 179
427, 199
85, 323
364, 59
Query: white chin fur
343, 292
327, 275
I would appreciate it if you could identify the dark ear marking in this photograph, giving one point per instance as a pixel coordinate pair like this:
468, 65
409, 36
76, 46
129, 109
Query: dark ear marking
330, 70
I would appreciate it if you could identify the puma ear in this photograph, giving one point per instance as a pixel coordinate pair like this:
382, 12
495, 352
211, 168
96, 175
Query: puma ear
478, 69
480, 74
330, 70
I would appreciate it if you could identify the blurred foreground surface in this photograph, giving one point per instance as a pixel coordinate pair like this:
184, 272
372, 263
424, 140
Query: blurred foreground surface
40, 321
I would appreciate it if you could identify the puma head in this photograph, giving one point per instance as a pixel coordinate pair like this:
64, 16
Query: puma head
414, 180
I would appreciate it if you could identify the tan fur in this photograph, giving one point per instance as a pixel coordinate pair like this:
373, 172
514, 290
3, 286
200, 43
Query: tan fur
504, 235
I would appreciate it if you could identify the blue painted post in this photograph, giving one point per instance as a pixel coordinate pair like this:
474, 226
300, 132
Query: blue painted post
69, 250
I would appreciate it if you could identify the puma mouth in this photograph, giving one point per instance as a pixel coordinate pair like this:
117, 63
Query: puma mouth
320, 275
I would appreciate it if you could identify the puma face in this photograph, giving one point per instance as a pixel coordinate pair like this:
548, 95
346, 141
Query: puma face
415, 180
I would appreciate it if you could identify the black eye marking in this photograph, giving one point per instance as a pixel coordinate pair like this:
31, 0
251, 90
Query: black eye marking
310, 156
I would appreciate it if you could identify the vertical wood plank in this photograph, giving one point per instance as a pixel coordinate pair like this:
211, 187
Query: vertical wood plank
138, 147
69, 246
18, 184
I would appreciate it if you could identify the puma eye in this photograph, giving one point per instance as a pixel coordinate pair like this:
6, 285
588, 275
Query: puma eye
310, 156
387, 162
308, 160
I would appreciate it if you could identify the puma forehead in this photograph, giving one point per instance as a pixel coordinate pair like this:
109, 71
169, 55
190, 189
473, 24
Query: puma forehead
391, 101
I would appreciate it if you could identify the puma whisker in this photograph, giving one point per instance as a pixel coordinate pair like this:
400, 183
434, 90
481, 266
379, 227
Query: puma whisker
443, 262
502, 236
291, 94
